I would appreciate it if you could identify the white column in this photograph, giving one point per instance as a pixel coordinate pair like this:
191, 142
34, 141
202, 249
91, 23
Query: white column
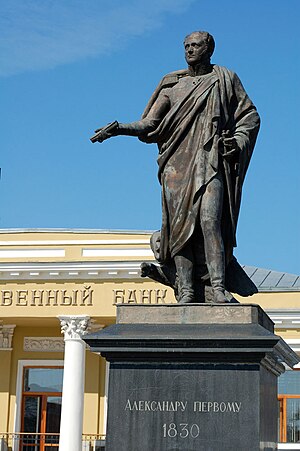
73, 328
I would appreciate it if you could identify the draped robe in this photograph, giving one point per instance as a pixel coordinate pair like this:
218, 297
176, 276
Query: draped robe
188, 138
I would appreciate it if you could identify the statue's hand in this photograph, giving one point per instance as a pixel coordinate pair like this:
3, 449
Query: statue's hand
229, 144
103, 133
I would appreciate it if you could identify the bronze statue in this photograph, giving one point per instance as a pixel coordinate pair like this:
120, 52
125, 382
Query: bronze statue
205, 127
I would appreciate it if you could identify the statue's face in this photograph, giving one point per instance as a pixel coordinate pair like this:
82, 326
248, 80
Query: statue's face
195, 49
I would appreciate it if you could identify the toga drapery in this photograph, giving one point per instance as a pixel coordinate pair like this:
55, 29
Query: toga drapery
188, 138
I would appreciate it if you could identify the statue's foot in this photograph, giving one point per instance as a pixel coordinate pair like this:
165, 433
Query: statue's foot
187, 296
219, 297
187, 299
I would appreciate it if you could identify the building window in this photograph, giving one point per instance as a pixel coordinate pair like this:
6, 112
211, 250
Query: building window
41, 408
289, 401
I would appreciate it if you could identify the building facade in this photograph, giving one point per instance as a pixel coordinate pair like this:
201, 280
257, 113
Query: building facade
47, 274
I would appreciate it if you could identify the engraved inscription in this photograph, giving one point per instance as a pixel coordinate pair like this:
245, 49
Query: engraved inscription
213, 406
182, 406
156, 406
180, 429
183, 430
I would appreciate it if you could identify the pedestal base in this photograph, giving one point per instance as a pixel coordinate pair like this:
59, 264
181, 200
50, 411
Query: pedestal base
193, 377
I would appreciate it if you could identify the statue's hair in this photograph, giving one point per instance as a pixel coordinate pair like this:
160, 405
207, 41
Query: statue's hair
208, 38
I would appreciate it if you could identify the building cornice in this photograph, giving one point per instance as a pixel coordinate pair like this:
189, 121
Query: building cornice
93, 270
285, 318
68, 242
70, 271
77, 231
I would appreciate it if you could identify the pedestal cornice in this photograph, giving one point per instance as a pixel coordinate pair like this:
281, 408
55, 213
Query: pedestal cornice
223, 333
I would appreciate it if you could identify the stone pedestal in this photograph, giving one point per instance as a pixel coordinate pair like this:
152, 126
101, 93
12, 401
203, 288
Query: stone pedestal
192, 377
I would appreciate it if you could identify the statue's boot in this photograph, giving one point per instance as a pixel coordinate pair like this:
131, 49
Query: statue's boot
184, 269
219, 296
216, 268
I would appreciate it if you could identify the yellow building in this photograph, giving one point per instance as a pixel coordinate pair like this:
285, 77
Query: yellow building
45, 274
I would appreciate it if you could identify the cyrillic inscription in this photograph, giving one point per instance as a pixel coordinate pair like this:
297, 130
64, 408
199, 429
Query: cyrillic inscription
156, 406
47, 298
213, 406
134, 296
184, 430
181, 406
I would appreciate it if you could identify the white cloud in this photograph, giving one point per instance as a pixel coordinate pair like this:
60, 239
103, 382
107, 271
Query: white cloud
42, 34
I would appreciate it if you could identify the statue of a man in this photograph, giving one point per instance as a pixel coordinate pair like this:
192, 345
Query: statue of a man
205, 127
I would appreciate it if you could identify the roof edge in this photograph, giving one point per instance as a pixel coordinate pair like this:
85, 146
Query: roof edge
66, 230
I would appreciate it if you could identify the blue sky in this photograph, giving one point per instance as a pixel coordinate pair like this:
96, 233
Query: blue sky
69, 66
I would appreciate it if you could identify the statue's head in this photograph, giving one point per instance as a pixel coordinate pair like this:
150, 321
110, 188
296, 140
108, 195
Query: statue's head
199, 46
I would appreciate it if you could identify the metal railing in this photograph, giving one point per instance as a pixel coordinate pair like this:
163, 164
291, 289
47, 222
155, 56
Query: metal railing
23, 441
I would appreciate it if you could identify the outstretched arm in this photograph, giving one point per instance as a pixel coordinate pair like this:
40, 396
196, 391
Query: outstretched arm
138, 128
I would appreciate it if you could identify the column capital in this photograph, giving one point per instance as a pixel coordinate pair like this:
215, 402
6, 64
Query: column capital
74, 327
6, 336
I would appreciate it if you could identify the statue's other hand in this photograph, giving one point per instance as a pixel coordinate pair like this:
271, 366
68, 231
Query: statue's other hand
230, 154
229, 143
230, 146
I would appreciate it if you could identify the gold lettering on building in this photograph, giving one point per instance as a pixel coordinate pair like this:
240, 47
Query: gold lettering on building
86, 296
51, 299
22, 297
134, 296
131, 297
37, 297
160, 296
47, 298
65, 299
7, 297
145, 296
74, 297
118, 296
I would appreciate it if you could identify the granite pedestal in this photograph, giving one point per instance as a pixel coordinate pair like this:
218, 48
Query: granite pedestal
192, 377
